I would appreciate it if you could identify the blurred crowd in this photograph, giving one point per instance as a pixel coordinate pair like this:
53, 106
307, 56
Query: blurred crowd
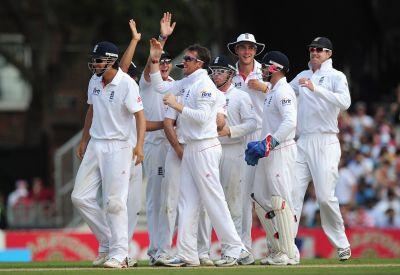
24, 202
368, 188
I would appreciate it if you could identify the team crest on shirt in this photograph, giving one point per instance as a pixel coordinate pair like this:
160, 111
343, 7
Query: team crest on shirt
286, 101
227, 102
96, 91
111, 96
321, 80
268, 101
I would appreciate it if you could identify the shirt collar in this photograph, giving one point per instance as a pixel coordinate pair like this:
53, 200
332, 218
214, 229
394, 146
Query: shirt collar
327, 64
256, 68
117, 78
280, 82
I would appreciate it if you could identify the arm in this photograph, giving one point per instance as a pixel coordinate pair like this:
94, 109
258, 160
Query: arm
166, 29
258, 85
126, 59
172, 137
340, 96
159, 85
248, 122
287, 108
141, 129
154, 125
80, 151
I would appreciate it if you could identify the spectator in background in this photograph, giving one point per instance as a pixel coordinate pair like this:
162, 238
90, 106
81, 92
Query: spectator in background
346, 187
361, 122
39, 193
20, 192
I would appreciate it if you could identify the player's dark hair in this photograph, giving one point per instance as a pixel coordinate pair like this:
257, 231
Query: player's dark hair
202, 53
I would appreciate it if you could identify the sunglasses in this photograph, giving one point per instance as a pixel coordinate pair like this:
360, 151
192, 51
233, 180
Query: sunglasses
165, 61
318, 50
188, 58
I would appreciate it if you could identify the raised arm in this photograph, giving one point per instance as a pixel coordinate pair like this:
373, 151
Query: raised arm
126, 59
166, 29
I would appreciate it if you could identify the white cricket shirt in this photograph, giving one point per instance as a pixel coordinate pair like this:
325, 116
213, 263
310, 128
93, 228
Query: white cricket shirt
280, 112
319, 110
113, 106
257, 97
154, 109
241, 117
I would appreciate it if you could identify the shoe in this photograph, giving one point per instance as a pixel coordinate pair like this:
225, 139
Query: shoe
161, 260
296, 259
226, 261
114, 263
152, 261
246, 258
277, 259
131, 262
100, 259
177, 262
206, 262
344, 253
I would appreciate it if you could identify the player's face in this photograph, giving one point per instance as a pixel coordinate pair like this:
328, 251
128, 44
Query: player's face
220, 76
191, 63
165, 68
246, 52
318, 56
99, 65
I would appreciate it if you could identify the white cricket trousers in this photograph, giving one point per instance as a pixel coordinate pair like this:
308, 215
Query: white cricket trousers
248, 186
317, 160
275, 175
154, 161
231, 176
134, 203
106, 165
170, 187
200, 185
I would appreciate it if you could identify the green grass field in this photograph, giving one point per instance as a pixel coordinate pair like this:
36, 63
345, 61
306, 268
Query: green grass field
320, 266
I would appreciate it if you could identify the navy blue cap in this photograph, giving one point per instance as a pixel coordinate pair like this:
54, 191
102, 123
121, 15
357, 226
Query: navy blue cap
105, 49
321, 42
278, 58
223, 61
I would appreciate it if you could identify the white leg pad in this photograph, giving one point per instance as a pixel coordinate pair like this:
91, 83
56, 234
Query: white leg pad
267, 224
284, 220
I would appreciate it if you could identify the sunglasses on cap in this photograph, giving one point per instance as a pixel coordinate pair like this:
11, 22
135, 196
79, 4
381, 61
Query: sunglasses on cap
318, 50
165, 61
188, 58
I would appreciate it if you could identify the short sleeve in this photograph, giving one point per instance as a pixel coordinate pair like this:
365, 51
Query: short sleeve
133, 101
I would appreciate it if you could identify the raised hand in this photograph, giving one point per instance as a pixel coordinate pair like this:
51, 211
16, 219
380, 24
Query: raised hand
155, 49
166, 28
135, 35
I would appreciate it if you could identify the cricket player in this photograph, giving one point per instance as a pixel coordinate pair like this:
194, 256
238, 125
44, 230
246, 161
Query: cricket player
275, 175
113, 98
249, 79
241, 121
201, 157
322, 92
156, 144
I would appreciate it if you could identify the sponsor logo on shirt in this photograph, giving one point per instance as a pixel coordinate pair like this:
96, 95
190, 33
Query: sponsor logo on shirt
205, 94
286, 101
139, 99
111, 95
238, 84
160, 171
96, 91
